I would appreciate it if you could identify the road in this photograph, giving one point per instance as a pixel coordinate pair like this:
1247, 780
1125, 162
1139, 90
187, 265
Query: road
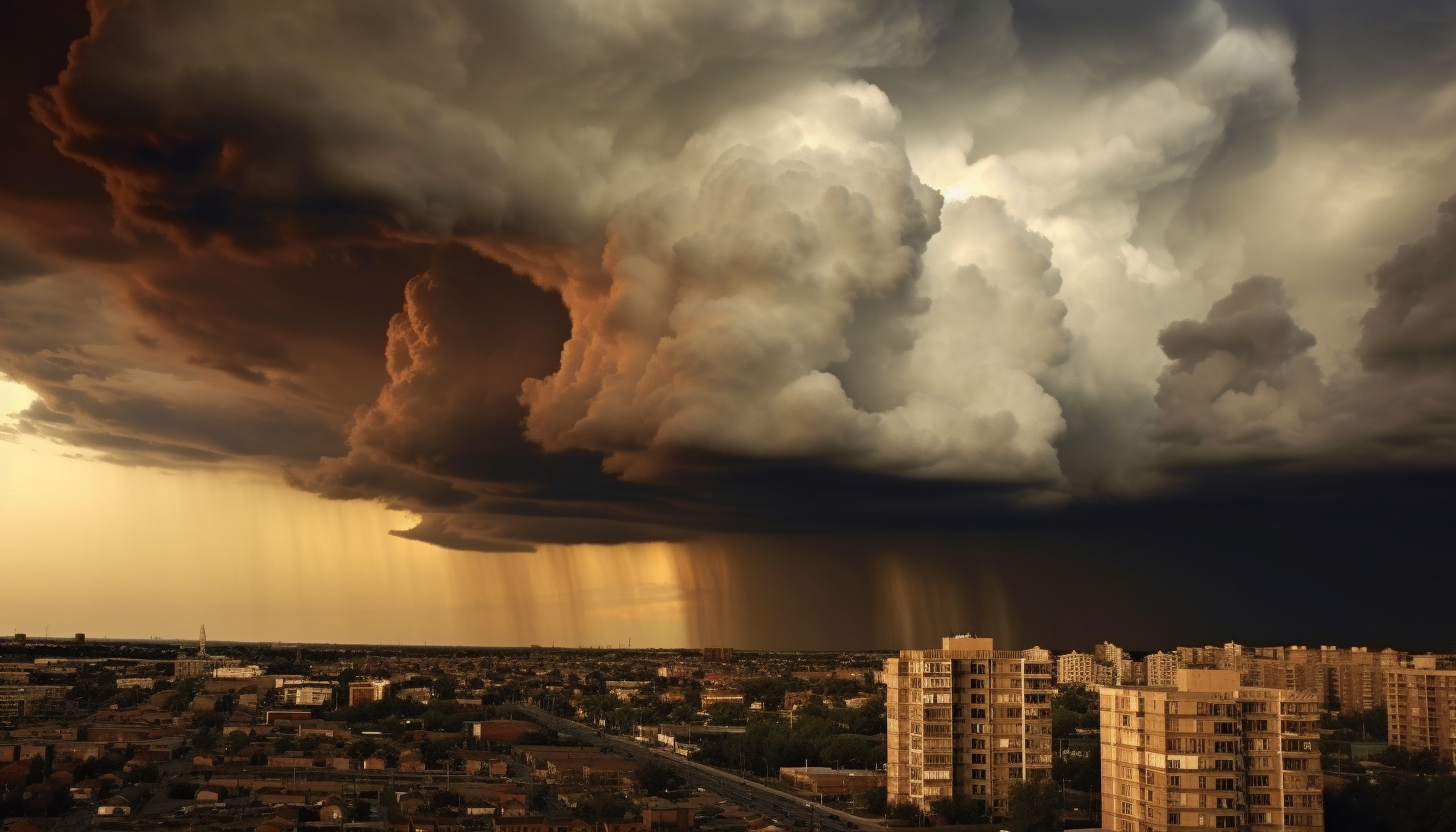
783, 808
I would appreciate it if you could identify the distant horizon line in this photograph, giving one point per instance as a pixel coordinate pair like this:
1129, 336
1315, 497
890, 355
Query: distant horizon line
8, 640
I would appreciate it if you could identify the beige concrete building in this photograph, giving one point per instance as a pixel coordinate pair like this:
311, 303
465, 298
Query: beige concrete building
365, 691
1421, 702
1162, 670
1355, 677
967, 720
1076, 669
1345, 679
1207, 753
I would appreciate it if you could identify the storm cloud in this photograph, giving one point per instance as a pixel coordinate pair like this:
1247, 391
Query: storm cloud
570, 272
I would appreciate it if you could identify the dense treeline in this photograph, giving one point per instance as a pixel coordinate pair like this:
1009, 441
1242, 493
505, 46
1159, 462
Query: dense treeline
1076, 761
1393, 802
394, 716
819, 736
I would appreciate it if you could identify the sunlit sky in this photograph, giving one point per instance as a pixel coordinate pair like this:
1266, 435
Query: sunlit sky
123, 552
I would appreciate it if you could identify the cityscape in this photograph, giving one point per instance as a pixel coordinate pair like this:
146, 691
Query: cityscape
116, 735
727, 415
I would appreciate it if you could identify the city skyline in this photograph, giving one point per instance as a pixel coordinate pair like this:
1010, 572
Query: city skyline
840, 325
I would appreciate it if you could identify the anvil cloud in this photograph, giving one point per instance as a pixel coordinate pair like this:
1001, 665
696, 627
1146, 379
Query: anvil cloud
581, 272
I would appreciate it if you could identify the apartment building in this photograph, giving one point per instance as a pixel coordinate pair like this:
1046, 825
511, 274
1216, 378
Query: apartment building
967, 720
1208, 753
308, 694
1162, 670
1421, 701
1076, 669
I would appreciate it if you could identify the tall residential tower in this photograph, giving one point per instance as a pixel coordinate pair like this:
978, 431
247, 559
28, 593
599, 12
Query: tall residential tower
1207, 753
967, 720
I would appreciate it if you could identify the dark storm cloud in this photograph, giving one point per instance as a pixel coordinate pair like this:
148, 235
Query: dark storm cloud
547, 273
59, 336
1412, 326
1355, 49
1241, 382
17, 262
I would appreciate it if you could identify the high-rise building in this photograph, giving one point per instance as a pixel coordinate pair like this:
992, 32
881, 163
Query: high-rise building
1107, 664
1355, 677
1076, 669
1162, 670
1108, 653
1208, 753
967, 720
718, 654
1421, 704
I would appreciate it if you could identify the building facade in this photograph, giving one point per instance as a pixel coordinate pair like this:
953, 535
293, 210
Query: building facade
1208, 753
308, 694
1162, 670
1076, 669
966, 720
1421, 702
367, 690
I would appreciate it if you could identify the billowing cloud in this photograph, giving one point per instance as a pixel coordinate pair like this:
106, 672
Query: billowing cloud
1241, 383
564, 272
1412, 326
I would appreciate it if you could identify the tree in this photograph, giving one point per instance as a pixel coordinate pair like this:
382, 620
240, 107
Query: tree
1081, 770
874, 800
960, 809
1034, 806
904, 811
237, 741
727, 713
1073, 707
1393, 802
445, 800
658, 778
204, 739
1424, 761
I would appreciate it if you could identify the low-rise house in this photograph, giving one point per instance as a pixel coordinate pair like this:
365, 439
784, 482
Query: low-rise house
832, 781
114, 805
87, 789
333, 810
660, 814
411, 761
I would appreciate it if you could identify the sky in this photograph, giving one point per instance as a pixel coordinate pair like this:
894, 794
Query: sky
833, 324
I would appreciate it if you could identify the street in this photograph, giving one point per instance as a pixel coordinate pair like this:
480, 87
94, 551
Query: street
782, 808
